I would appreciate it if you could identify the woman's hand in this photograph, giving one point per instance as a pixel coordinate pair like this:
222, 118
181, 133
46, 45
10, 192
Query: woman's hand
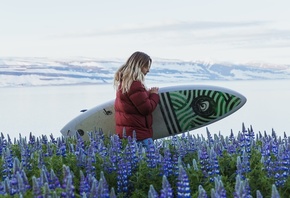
154, 90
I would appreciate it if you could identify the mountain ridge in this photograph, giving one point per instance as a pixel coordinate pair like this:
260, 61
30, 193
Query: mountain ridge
46, 71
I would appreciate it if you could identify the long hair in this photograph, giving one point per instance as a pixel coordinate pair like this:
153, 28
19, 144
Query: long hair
131, 71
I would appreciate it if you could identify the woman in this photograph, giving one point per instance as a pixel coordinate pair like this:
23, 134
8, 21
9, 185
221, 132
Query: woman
134, 104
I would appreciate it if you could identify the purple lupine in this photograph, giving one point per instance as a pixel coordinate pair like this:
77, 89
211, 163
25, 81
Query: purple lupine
166, 191
275, 193
61, 148
103, 188
53, 180
46, 191
152, 192
209, 137
151, 156
243, 165
31, 139
44, 140
258, 194
214, 170
67, 183
204, 159
129, 156
115, 151
167, 168
25, 153
84, 185
201, 192
43, 176
52, 139
281, 166
180, 147
122, 177
13, 185
90, 168
191, 146
242, 188
69, 187
278, 167
49, 151
99, 147
183, 188
218, 145
81, 157
131, 153
194, 165
219, 190
266, 159
25, 180
112, 193
94, 188
231, 145
8, 163
36, 188
2, 188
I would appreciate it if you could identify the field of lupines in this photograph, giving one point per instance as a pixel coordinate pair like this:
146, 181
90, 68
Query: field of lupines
247, 164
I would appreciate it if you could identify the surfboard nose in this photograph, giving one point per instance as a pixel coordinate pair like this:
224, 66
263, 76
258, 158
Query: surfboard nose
68, 131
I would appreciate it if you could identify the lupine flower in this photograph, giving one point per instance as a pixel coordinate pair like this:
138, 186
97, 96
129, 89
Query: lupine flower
204, 160
112, 193
243, 165
94, 188
113, 158
122, 177
84, 185
242, 189
213, 170
152, 192
151, 156
258, 194
166, 191
52, 139
219, 190
201, 192
275, 193
183, 188
36, 187
53, 180
67, 183
167, 163
61, 149
209, 137
46, 191
8, 163
103, 189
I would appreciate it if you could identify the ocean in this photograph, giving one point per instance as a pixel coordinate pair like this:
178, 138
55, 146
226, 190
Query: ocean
44, 110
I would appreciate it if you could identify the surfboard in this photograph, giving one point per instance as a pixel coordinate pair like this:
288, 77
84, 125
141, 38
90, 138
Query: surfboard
181, 109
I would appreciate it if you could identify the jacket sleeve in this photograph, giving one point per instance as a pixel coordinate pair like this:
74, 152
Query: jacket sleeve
144, 102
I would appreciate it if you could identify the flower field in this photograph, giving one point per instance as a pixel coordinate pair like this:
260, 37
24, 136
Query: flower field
248, 164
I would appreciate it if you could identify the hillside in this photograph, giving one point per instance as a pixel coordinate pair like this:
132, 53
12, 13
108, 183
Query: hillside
44, 71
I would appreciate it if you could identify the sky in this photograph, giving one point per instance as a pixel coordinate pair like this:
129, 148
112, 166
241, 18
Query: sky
213, 30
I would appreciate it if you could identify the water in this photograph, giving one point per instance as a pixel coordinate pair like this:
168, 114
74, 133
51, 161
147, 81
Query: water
45, 110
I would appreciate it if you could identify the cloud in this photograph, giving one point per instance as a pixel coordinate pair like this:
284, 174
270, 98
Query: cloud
161, 27
251, 38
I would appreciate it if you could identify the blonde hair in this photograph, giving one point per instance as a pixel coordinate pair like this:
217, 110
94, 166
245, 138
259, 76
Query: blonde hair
131, 71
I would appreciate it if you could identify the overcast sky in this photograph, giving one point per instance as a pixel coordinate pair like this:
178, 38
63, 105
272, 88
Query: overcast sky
216, 30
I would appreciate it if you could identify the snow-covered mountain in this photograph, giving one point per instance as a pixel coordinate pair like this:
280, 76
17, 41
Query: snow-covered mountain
44, 71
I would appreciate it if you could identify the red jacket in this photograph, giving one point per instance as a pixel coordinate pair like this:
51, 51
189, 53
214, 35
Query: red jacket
133, 111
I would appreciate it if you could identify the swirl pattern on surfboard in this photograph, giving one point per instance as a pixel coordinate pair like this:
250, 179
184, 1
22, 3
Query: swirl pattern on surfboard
191, 109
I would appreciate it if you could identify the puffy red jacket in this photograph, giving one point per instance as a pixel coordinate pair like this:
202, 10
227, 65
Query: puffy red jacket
133, 111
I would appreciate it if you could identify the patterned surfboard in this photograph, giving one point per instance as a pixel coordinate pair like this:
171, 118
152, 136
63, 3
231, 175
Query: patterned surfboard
188, 109
181, 109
